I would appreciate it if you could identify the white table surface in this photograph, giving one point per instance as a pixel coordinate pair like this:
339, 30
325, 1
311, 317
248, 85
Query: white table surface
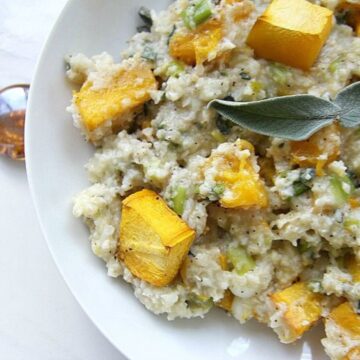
39, 318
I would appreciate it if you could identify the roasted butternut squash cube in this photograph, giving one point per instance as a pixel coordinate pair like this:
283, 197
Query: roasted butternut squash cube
223, 262
235, 171
302, 308
342, 328
240, 9
353, 266
117, 101
291, 32
319, 150
354, 18
345, 317
353, 354
153, 239
227, 301
195, 47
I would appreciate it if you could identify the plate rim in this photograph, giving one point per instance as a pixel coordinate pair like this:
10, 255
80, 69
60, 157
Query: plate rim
29, 174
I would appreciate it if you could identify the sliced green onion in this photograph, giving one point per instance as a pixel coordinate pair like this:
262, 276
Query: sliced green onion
179, 200
303, 184
241, 261
175, 68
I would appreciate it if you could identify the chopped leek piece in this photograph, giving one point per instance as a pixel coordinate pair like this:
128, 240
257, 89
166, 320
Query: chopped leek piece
179, 200
202, 12
175, 68
196, 14
197, 301
279, 73
315, 286
218, 136
334, 66
341, 187
219, 189
349, 223
241, 261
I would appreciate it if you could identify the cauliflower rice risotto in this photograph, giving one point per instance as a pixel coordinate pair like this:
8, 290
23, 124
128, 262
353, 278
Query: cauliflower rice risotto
195, 211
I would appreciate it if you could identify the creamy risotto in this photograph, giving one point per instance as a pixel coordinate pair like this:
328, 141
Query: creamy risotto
196, 212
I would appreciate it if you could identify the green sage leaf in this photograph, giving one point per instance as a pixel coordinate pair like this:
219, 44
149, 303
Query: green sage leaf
294, 117
349, 102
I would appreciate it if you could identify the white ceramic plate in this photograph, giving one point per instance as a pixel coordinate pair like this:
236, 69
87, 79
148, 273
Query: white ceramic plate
56, 154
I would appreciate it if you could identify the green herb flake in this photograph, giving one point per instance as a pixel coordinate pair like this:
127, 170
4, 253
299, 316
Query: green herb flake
300, 188
149, 53
245, 76
145, 16
171, 34
223, 125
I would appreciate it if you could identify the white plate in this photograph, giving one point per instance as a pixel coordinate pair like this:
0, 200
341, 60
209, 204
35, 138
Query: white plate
56, 154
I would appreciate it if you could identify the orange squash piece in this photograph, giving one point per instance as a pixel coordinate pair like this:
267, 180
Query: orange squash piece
353, 266
128, 90
291, 32
227, 301
194, 47
353, 354
153, 239
243, 185
319, 150
303, 308
241, 9
345, 317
